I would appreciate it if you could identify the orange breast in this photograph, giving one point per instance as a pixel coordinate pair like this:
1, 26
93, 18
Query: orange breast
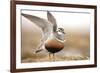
53, 45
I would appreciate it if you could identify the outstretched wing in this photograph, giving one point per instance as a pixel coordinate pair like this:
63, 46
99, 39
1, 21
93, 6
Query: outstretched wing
45, 25
52, 20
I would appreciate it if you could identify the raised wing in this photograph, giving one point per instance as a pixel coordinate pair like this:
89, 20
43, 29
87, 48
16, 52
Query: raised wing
52, 20
45, 25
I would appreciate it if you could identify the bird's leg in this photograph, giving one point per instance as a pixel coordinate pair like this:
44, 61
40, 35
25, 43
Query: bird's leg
53, 57
50, 56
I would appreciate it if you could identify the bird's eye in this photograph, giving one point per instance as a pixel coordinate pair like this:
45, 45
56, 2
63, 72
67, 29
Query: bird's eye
60, 31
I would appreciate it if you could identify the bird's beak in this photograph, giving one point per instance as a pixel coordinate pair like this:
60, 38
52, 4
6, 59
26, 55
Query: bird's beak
64, 32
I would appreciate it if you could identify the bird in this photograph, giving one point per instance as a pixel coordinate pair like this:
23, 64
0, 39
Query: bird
53, 45
52, 36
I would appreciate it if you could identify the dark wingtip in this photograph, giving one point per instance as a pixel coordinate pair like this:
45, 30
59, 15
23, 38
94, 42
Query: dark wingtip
25, 15
48, 13
38, 50
22, 14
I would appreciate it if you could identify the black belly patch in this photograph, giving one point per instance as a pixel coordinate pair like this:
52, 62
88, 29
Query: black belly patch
53, 49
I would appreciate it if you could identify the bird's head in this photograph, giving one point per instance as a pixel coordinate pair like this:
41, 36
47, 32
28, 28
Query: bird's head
61, 30
60, 34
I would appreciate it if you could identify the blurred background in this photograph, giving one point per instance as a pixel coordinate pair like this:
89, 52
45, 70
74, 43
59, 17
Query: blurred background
77, 45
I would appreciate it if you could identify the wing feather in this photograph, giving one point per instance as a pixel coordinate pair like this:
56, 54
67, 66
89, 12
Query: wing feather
52, 20
45, 25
